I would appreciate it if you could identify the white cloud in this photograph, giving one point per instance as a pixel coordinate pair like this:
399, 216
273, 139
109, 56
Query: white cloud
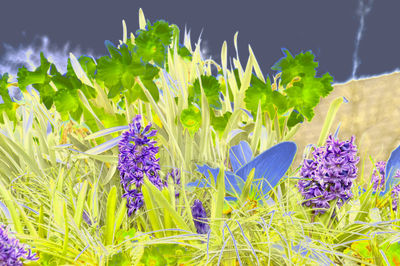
28, 55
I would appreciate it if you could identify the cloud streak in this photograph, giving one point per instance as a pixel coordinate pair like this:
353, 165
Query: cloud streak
364, 7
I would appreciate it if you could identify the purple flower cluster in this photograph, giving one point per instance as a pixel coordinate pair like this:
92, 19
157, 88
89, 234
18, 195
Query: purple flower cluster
176, 178
137, 160
395, 193
11, 251
199, 214
330, 175
378, 181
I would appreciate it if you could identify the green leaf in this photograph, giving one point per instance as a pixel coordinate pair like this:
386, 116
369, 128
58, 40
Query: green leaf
303, 94
47, 94
128, 80
109, 70
152, 88
236, 73
152, 43
39, 76
134, 93
191, 119
259, 91
119, 259
8, 106
294, 118
184, 52
114, 90
219, 122
149, 47
301, 65
163, 31
211, 89
88, 65
114, 52
66, 101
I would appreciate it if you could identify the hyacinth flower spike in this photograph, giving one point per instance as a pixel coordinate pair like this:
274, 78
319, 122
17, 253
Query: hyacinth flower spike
11, 250
137, 160
269, 168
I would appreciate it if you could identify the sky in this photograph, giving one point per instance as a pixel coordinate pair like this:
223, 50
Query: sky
351, 39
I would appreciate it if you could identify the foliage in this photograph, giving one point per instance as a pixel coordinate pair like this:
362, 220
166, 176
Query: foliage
61, 193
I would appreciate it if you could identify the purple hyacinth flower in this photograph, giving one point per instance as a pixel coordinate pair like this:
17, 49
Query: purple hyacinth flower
199, 214
378, 180
11, 251
176, 178
395, 192
329, 175
137, 159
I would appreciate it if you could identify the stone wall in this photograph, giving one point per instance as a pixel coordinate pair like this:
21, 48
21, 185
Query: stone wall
372, 115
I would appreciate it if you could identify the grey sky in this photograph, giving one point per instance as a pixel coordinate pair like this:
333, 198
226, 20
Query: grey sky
328, 28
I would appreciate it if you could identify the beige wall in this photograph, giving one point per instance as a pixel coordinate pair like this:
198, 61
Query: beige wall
372, 115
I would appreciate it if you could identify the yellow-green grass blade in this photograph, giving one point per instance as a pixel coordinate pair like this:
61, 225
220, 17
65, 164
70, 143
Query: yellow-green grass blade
124, 32
9, 202
163, 202
28, 223
80, 73
106, 132
121, 214
167, 218
42, 230
183, 198
110, 217
142, 20
22, 154
218, 206
66, 234
58, 200
110, 174
224, 56
247, 186
86, 105
333, 108
257, 129
239, 101
257, 69
80, 203
153, 213
162, 118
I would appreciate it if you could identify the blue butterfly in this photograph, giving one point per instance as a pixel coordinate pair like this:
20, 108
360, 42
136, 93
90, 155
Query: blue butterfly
270, 166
